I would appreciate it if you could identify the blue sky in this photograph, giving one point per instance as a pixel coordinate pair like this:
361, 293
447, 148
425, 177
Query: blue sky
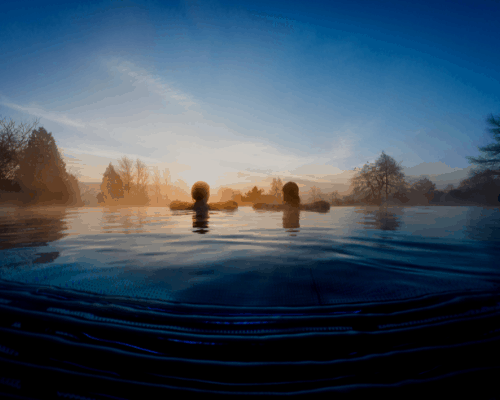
241, 91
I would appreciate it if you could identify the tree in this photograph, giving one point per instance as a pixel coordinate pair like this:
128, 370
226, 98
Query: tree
73, 187
483, 183
126, 171
276, 188
479, 178
391, 172
367, 184
165, 185
384, 175
13, 139
491, 152
140, 192
334, 197
112, 185
225, 194
100, 197
482, 187
253, 195
42, 171
315, 193
157, 185
420, 192
88, 194
424, 185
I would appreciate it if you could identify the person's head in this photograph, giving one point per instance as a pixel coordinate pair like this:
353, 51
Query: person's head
200, 191
291, 194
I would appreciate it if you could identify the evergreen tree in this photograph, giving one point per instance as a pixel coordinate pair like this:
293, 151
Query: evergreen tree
112, 185
482, 187
42, 171
491, 152
253, 195
73, 186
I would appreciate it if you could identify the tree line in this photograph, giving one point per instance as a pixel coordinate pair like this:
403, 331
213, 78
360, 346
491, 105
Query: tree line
32, 170
129, 184
383, 181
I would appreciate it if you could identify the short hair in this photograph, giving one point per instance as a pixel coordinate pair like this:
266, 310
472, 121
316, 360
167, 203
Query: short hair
291, 193
200, 191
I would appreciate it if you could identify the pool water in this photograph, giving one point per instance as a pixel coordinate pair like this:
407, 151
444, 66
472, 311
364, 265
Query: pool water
355, 298
247, 258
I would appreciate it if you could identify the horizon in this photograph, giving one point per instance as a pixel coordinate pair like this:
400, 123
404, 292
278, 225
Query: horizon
442, 181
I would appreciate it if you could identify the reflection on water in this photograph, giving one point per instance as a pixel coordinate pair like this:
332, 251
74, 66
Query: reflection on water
291, 217
125, 220
45, 258
391, 284
27, 227
348, 254
200, 221
383, 219
482, 224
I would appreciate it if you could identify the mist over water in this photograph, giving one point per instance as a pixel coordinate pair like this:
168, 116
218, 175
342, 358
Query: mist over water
253, 258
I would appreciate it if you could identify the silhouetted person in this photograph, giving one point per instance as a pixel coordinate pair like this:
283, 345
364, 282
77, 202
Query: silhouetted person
200, 221
292, 201
200, 193
291, 194
291, 218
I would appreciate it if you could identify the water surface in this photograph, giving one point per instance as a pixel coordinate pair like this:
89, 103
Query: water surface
253, 258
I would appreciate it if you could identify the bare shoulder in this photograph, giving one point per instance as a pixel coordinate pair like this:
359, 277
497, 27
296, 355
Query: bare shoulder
226, 205
181, 205
320, 206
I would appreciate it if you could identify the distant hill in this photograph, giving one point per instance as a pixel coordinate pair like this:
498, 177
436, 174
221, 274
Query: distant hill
445, 177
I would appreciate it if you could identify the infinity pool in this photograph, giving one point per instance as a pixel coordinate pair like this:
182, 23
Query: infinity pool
260, 302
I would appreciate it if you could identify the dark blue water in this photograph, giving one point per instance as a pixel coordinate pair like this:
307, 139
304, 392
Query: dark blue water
247, 258
354, 299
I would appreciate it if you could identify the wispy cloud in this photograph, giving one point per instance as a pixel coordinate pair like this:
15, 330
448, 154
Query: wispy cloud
153, 83
142, 115
109, 154
52, 116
